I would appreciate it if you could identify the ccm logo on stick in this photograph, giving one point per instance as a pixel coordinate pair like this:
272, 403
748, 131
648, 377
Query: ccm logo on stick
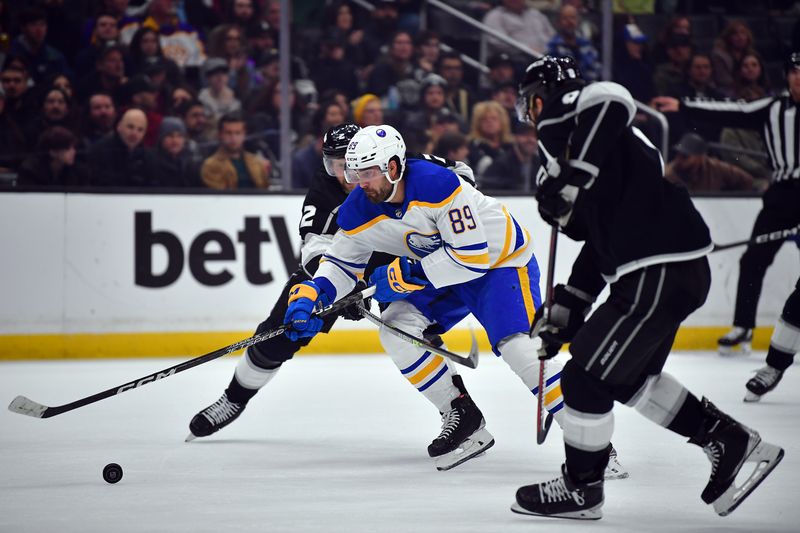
143, 381
251, 236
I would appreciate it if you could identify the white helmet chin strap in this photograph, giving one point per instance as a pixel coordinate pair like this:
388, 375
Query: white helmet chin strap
394, 187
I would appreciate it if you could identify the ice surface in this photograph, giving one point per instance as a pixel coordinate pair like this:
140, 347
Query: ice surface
338, 444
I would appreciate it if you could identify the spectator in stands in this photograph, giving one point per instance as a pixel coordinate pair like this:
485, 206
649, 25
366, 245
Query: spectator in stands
751, 84
63, 82
733, 43
105, 32
335, 95
341, 21
459, 96
245, 14
669, 77
378, 31
178, 96
43, 60
227, 42
99, 119
334, 69
699, 82
452, 145
231, 167
490, 135
108, 75
432, 102
306, 162
367, 110
268, 68
515, 169
18, 105
695, 170
427, 52
395, 66
505, 94
523, 24
180, 41
501, 71
679, 24
141, 93
259, 40
328, 115
174, 164
193, 116
567, 43
55, 110
443, 123
120, 159
218, 97
145, 50
53, 162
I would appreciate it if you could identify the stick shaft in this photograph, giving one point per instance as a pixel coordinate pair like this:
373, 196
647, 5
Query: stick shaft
541, 431
772, 236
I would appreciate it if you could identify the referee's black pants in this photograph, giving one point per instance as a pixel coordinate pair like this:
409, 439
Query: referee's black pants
781, 211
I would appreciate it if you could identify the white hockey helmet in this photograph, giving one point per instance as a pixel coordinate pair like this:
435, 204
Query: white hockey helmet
374, 146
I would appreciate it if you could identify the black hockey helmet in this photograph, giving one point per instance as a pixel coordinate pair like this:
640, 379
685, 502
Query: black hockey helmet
792, 62
334, 145
541, 78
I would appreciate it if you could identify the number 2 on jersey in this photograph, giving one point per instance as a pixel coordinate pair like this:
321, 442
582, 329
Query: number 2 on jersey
457, 218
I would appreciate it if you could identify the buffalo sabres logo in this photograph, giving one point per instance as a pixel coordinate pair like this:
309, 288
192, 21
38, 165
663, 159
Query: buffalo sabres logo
423, 245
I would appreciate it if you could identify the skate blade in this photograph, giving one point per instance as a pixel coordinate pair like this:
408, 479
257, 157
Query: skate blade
743, 348
752, 397
474, 446
190, 437
766, 456
593, 513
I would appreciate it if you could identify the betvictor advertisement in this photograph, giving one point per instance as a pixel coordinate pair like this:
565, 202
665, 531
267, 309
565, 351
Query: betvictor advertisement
83, 263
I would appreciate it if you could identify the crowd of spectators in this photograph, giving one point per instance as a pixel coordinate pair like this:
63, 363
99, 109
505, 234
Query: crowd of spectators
178, 93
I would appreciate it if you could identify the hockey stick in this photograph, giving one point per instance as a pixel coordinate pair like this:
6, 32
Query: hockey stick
470, 361
544, 419
26, 406
772, 236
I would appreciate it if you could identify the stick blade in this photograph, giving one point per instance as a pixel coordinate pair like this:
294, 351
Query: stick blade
26, 406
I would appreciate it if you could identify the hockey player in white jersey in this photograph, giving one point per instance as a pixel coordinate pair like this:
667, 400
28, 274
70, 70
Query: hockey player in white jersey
458, 252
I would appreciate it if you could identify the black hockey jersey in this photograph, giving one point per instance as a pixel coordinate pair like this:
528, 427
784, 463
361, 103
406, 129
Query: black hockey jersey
628, 214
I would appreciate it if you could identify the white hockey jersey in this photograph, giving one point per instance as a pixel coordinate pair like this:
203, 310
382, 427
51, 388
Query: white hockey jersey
456, 232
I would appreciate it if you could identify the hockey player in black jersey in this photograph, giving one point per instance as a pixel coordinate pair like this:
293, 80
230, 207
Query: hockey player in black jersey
604, 185
777, 118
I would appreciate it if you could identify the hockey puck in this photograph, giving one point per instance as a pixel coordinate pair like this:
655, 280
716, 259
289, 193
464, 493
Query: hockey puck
112, 473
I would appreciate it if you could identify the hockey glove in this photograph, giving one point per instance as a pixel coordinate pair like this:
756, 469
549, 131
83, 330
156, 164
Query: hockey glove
303, 299
394, 281
567, 314
557, 193
352, 312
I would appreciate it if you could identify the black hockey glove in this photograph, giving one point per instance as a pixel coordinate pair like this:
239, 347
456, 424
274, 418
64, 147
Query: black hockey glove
558, 192
352, 312
569, 310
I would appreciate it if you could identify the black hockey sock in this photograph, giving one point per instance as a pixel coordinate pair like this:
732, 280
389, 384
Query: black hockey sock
238, 393
779, 359
584, 466
689, 418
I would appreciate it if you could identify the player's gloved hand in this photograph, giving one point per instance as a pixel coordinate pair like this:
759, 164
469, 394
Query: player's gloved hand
352, 312
394, 281
558, 192
303, 299
567, 314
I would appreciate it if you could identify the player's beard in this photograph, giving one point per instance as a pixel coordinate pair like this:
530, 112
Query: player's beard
379, 196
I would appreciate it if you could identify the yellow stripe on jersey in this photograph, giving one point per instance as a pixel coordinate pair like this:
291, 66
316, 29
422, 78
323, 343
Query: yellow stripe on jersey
518, 251
419, 203
427, 370
552, 395
527, 297
365, 225
480, 259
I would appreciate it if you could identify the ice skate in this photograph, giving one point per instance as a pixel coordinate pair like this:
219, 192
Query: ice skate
463, 435
614, 470
765, 380
561, 498
736, 339
214, 417
729, 446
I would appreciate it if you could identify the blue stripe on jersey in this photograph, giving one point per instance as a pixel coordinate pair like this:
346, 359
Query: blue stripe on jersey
520, 235
556, 409
552, 379
479, 246
343, 269
434, 379
415, 364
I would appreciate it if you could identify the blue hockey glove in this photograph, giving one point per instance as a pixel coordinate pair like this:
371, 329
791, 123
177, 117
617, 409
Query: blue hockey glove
394, 281
303, 299
569, 310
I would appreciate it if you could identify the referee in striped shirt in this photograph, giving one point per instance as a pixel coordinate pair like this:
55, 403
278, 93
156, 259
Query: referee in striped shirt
778, 120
